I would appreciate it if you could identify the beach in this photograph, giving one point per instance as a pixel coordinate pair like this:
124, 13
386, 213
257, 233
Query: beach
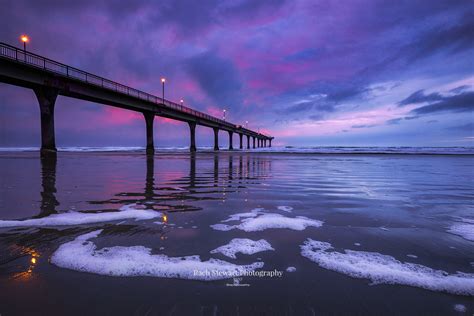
236, 233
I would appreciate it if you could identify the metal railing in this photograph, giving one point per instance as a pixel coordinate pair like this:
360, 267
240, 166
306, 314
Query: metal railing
34, 60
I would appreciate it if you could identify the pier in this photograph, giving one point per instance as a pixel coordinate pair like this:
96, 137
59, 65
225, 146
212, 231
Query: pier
49, 78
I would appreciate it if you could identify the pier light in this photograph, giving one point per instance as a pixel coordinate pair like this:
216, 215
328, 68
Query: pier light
246, 124
224, 114
163, 80
181, 101
25, 39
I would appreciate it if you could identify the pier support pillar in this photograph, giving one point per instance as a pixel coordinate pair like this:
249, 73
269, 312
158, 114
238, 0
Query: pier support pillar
216, 138
47, 99
264, 143
241, 141
270, 142
192, 129
230, 140
248, 141
149, 119
253, 142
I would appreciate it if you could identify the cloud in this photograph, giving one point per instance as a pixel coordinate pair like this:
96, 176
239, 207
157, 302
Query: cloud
465, 127
463, 102
217, 77
394, 121
456, 37
364, 125
420, 97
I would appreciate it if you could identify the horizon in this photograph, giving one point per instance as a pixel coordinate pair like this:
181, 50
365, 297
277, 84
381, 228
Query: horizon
368, 74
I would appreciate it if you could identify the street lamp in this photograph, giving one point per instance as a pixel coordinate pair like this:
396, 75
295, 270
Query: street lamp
224, 114
246, 124
25, 39
182, 102
163, 80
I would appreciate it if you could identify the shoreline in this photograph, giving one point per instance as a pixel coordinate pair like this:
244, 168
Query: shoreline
165, 152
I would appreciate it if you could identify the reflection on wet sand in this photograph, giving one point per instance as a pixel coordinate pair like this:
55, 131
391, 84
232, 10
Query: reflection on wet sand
196, 186
206, 180
48, 184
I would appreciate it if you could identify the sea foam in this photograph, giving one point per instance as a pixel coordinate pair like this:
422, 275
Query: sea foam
285, 208
78, 218
82, 255
381, 268
464, 229
243, 245
259, 222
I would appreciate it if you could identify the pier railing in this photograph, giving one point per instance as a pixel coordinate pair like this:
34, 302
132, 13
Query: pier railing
31, 59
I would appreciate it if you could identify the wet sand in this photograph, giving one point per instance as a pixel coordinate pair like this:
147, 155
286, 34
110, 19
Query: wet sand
403, 206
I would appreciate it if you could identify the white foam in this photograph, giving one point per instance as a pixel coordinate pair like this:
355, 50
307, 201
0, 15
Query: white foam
285, 208
78, 218
290, 269
460, 308
82, 255
267, 221
243, 245
465, 230
357, 244
381, 268
412, 256
222, 227
239, 216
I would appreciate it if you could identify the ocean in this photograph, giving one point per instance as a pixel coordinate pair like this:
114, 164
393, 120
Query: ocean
271, 231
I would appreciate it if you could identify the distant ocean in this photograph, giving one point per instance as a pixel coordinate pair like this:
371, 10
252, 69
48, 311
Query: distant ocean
281, 149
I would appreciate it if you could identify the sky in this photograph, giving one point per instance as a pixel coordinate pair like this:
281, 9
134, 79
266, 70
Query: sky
307, 72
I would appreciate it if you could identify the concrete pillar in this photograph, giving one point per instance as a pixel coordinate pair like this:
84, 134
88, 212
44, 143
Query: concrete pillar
253, 142
258, 143
230, 140
216, 138
149, 119
264, 143
270, 142
241, 144
192, 129
47, 99
248, 141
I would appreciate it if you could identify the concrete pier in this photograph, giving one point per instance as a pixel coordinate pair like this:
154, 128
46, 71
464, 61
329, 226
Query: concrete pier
149, 119
48, 79
47, 99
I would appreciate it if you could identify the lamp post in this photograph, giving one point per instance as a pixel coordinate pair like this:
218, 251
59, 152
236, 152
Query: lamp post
163, 80
246, 124
181, 101
224, 114
25, 39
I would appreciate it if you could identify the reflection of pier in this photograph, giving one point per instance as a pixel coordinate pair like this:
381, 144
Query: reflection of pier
219, 174
49, 78
48, 184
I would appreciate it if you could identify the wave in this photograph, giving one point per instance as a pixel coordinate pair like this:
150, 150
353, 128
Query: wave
282, 149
